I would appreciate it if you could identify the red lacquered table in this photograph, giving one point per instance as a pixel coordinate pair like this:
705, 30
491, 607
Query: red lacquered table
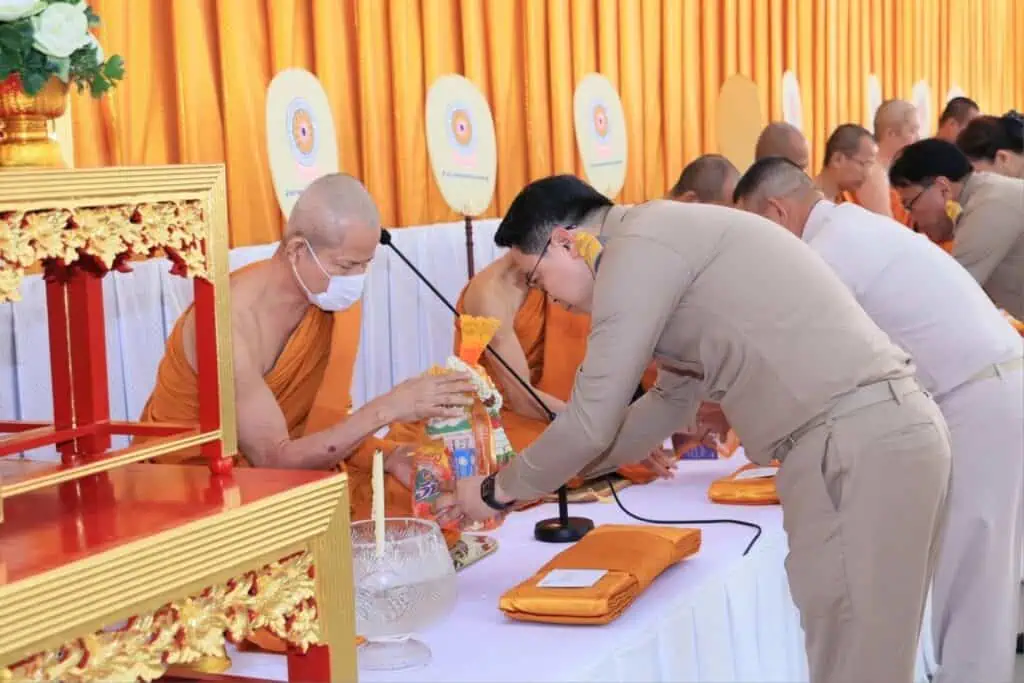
124, 573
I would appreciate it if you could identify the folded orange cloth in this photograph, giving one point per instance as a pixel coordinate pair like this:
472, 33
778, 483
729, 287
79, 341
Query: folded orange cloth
738, 491
633, 557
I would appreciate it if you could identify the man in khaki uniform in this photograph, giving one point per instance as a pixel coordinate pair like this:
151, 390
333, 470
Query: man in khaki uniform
709, 179
741, 313
983, 213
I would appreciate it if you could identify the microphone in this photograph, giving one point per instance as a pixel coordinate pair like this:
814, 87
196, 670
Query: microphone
561, 529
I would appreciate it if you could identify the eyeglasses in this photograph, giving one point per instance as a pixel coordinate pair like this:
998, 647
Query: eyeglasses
925, 186
530, 281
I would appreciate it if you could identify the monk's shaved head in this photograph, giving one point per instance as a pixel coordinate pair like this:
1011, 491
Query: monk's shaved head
329, 207
771, 178
710, 179
893, 115
781, 139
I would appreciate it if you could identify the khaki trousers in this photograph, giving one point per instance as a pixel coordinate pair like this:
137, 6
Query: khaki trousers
863, 498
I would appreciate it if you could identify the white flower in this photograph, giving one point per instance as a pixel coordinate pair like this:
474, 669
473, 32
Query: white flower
60, 29
95, 44
11, 10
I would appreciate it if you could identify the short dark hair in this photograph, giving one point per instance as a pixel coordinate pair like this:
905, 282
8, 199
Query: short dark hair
925, 160
705, 176
986, 135
542, 206
959, 109
771, 174
845, 139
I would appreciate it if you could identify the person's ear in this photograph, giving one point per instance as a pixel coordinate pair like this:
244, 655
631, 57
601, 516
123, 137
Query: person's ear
945, 187
562, 238
1001, 159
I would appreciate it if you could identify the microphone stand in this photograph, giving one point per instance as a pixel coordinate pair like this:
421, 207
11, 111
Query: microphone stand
560, 529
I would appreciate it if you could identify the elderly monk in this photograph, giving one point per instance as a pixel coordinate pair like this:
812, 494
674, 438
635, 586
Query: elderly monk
741, 313
850, 154
780, 139
971, 362
896, 126
983, 213
295, 322
709, 179
542, 341
958, 113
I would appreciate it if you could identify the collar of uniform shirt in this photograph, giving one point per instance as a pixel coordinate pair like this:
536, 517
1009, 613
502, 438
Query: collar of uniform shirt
969, 186
817, 218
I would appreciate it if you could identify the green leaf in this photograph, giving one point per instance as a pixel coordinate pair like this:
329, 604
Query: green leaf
33, 81
60, 66
99, 86
114, 68
91, 17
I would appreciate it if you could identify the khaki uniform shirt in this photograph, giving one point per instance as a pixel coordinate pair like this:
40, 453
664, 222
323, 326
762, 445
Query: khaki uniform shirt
989, 238
735, 309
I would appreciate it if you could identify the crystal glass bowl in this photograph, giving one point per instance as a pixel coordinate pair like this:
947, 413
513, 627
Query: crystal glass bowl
409, 587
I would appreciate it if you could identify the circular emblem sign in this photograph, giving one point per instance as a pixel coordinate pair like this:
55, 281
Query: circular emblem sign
601, 134
461, 144
301, 143
740, 121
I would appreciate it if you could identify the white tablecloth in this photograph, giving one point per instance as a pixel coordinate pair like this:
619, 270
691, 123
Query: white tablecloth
717, 617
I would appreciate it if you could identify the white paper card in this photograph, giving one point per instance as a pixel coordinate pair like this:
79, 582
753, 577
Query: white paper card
571, 578
757, 473
667, 444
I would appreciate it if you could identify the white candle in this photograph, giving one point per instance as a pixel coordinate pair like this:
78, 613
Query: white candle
378, 501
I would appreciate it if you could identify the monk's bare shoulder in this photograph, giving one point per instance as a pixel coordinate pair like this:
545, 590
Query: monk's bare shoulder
244, 328
496, 291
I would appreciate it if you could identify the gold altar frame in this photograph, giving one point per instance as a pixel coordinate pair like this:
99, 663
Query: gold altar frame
113, 189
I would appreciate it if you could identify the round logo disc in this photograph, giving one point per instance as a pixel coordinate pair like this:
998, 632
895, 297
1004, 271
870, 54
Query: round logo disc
601, 134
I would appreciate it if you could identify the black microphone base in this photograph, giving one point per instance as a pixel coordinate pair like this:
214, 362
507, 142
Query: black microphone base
557, 530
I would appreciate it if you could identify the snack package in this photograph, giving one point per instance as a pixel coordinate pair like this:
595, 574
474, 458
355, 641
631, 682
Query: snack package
434, 476
475, 441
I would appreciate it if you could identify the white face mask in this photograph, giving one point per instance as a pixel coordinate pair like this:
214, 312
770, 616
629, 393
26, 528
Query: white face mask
342, 292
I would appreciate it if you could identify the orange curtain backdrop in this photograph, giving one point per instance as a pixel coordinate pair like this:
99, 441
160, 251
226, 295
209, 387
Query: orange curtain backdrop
198, 72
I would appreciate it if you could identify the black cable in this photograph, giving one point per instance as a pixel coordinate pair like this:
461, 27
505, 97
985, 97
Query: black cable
385, 239
756, 527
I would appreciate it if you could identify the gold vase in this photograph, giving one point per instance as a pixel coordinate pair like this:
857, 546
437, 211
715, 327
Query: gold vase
25, 137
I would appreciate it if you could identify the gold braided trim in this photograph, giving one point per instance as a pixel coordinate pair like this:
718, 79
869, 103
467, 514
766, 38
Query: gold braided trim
100, 238
278, 597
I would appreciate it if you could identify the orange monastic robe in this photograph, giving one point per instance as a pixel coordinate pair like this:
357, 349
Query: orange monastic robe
554, 341
311, 381
899, 213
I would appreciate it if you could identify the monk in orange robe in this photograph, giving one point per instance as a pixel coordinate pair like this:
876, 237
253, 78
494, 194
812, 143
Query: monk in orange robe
850, 156
295, 321
896, 126
781, 139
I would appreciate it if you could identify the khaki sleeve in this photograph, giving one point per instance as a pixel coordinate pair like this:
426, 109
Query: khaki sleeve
639, 285
986, 236
663, 410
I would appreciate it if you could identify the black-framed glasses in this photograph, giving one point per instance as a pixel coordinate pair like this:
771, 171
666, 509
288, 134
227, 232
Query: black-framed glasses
529, 276
925, 186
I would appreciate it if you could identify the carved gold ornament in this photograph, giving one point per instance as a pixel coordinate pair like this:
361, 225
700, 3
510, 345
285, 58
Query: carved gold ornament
278, 597
100, 239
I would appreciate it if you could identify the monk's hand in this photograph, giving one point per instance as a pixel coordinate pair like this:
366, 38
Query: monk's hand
661, 462
469, 501
711, 418
399, 464
427, 396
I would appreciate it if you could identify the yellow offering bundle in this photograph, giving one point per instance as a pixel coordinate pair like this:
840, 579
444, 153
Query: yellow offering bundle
749, 485
475, 442
620, 560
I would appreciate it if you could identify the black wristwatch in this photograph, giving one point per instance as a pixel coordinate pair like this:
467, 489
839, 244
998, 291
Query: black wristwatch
487, 495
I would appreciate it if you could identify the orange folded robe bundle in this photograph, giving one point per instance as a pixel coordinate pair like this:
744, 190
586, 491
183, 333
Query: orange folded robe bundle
746, 487
631, 556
